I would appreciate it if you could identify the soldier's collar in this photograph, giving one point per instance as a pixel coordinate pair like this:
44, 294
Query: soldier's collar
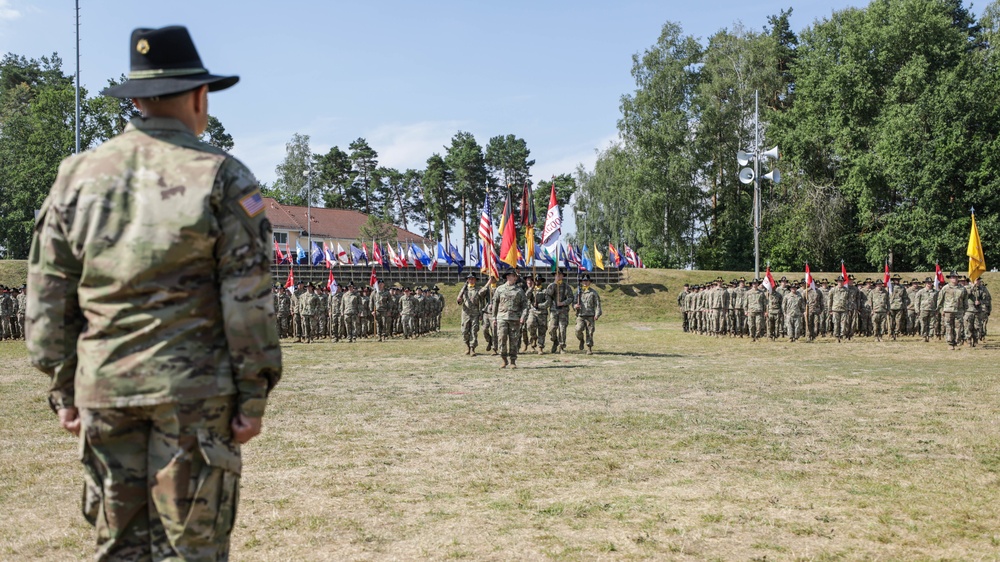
157, 124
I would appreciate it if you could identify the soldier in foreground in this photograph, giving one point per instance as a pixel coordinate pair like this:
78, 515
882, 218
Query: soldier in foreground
588, 310
469, 298
162, 395
510, 311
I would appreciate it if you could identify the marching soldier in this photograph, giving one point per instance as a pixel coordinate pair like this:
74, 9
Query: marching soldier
509, 310
408, 309
487, 299
470, 299
682, 305
588, 309
538, 315
561, 296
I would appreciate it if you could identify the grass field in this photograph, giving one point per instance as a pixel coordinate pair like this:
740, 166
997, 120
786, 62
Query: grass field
661, 446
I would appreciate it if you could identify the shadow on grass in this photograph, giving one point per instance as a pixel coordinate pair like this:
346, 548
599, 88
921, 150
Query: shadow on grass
637, 354
638, 289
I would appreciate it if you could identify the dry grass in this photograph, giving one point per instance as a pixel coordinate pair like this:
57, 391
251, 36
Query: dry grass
660, 446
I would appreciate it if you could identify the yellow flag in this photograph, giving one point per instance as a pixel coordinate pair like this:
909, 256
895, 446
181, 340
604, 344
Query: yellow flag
598, 259
977, 260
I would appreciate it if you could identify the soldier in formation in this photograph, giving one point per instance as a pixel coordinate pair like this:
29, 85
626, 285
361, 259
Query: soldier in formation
958, 312
588, 312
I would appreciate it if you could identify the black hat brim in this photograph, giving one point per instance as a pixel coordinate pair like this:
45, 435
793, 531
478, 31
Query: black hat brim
153, 87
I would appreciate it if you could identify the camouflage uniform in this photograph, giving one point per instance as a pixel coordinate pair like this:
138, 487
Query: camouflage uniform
284, 311
774, 316
561, 296
881, 305
509, 310
335, 303
382, 309
538, 318
899, 301
926, 304
408, 308
6, 316
470, 299
22, 306
951, 304
589, 312
793, 307
814, 312
756, 305
350, 310
839, 317
488, 333
150, 309
308, 308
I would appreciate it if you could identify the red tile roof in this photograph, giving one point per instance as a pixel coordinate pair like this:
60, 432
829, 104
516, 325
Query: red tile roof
326, 223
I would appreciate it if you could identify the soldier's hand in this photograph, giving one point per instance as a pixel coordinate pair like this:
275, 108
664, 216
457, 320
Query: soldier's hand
69, 419
576, 306
245, 428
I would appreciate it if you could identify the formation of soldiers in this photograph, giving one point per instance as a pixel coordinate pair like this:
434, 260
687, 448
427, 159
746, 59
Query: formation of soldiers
521, 312
13, 302
957, 312
314, 312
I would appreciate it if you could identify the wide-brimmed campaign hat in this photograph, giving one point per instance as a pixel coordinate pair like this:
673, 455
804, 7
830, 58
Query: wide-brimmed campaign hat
164, 61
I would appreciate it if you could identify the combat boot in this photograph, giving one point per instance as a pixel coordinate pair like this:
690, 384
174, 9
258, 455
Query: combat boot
590, 350
504, 366
513, 363
468, 350
555, 347
473, 352
581, 344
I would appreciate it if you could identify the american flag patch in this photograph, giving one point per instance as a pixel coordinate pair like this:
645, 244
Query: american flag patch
253, 204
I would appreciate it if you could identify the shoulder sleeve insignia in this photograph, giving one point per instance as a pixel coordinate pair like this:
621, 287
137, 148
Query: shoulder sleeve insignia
253, 204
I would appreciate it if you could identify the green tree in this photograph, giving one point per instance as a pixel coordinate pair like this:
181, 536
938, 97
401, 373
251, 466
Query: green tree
467, 163
335, 178
364, 160
439, 196
215, 134
290, 186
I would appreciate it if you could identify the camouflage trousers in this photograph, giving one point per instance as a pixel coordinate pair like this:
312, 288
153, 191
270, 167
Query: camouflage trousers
10, 327
352, 325
20, 323
488, 334
409, 325
509, 338
795, 326
161, 481
756, 324
470, 329
774, 325
879, 324
585, 330
383, 324
897, 322
952, 322
972, 329
928, 324
557, 328
537, 325
284, 326
839, 320
814, 324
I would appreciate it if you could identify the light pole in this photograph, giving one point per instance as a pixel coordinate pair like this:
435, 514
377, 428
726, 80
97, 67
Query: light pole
77, 127
748, 175
309, 223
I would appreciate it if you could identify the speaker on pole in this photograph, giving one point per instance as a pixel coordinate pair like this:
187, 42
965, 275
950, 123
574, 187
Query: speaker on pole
746, 175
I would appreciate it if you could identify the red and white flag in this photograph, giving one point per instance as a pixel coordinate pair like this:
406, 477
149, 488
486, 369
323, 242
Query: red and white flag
809, 278
342, 256
886, 279
377, 253
290, 282
327, 255
938, 277
331, 283
553, 224
843, 273
768, 282
372, 280
278, 256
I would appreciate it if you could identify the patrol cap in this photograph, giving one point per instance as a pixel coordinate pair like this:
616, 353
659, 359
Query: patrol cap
165, 61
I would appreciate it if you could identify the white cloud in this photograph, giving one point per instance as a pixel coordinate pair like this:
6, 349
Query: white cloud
409, 146
8, 13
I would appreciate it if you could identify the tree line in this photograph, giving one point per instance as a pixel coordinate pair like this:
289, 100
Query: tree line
887, 121
444, 200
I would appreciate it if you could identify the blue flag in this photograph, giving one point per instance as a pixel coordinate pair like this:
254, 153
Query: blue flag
420, 254
587, 264
317, 254
300, 254
479, 257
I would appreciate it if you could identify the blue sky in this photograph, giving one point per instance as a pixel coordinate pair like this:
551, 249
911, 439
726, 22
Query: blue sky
406, 75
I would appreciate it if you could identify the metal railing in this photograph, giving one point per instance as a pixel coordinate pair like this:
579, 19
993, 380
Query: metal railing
447, 275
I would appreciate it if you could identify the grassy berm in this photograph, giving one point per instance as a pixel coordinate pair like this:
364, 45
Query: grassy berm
661, 446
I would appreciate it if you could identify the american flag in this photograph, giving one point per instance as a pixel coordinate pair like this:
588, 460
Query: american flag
486, 221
